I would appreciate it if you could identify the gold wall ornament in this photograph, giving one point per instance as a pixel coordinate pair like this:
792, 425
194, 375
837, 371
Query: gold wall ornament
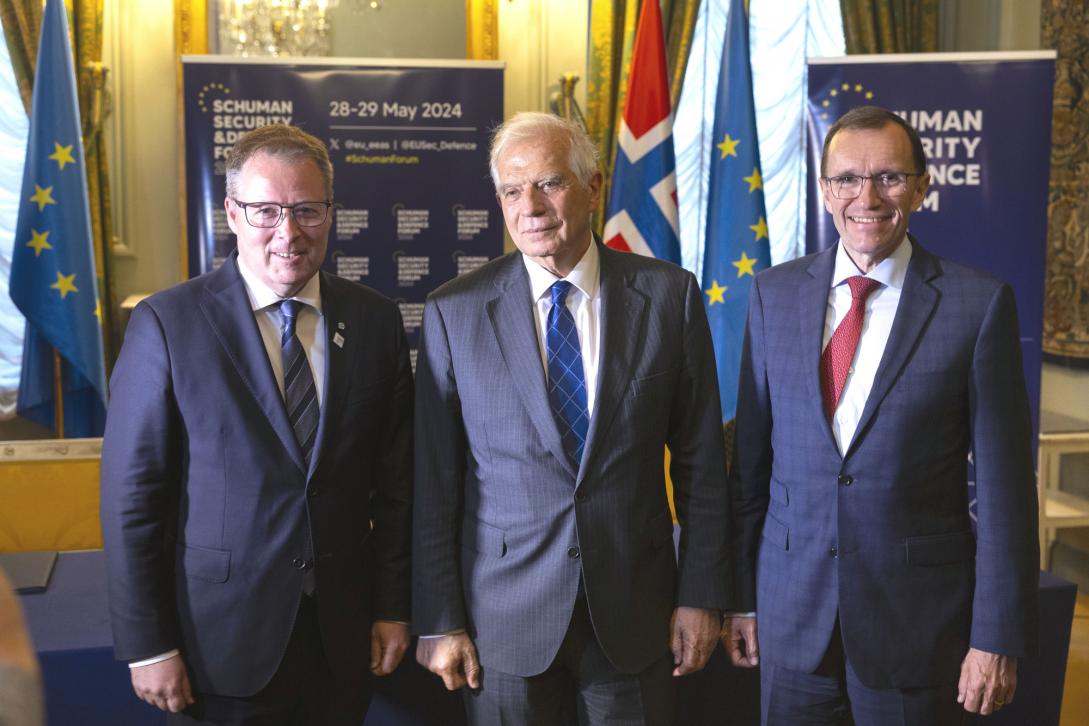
481, 30
191, 26
563, 102
190, 38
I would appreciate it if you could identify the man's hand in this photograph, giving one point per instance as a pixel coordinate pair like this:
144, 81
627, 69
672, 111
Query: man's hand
452, 657
739, 640
389, 641
164, 685
987, 681
693, 634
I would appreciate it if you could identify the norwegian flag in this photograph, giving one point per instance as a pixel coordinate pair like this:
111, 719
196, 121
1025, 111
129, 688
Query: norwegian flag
642, 214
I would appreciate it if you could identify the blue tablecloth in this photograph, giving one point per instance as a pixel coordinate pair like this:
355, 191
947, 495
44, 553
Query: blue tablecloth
85, 686
724, 695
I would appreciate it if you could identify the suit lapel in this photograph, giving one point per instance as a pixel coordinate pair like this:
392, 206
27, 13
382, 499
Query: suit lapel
226, 307
335, 314
812, 311
918, 300
622, 311
515, 330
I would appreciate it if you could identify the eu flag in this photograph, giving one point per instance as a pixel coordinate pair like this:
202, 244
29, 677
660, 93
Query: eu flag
52, 268
736, 244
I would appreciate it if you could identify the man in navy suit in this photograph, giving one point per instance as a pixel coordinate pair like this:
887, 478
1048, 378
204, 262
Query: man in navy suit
256, 468
548, 385
869, 373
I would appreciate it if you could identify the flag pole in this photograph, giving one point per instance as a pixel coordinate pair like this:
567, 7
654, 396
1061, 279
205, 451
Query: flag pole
58, 395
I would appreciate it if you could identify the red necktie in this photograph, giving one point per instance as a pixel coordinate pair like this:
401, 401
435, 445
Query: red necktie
837, 356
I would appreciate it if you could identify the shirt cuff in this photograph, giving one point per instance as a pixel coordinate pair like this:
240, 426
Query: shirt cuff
155, 659
459, 631
731, 614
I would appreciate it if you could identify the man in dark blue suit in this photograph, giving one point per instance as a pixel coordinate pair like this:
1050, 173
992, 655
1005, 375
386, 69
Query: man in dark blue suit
256, 468
869, 373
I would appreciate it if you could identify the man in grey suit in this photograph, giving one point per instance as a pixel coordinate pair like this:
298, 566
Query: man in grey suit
256, 468
549, 383
869, 372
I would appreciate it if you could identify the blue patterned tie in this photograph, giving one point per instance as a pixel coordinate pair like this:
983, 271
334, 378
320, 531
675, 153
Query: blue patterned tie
566, 378
300, 395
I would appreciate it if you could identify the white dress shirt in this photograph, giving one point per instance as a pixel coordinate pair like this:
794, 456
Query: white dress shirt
584, 302
880, 312
310, 329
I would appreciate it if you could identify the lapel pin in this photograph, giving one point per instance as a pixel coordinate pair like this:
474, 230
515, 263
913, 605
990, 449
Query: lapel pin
338, 339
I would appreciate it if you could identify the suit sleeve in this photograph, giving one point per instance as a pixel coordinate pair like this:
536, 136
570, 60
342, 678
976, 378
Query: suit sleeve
1004, 610
437, 597
140, 480
391, 505
698, 466
750, 471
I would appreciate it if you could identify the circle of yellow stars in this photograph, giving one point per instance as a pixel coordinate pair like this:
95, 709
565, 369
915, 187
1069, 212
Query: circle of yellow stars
841, 90
39, 241
207, 89
728, 147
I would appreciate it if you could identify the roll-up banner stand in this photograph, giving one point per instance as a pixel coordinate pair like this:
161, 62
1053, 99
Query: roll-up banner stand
415, 205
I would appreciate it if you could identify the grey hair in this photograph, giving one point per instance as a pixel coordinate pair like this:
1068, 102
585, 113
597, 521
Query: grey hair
582, 154
280, 141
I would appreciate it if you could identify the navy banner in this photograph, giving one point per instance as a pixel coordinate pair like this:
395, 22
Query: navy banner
985, 123
415, 205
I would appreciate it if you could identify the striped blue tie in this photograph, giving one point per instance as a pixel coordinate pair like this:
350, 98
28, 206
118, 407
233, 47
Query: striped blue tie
300, 395
566, 378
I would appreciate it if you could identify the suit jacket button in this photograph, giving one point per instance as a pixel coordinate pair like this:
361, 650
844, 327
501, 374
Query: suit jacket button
834, 552
580, 496
312, 493
845, 480
573, 553
298, 563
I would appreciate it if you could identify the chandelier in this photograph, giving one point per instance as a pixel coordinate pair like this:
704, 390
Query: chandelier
275, 27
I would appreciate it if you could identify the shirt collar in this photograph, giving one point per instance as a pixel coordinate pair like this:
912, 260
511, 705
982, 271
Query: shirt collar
262, 296
586, 275
889, 272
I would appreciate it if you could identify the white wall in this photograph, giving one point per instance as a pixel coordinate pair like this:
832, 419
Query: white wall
540, 40
142, 140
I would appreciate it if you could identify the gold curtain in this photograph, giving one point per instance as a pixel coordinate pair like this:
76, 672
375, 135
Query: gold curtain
890, 26
612, 35
22, 21
190, 38
22, 26
94, 106
1064, 26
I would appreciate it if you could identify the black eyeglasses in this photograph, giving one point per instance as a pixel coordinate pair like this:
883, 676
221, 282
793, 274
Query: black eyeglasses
887, 184
270, 214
